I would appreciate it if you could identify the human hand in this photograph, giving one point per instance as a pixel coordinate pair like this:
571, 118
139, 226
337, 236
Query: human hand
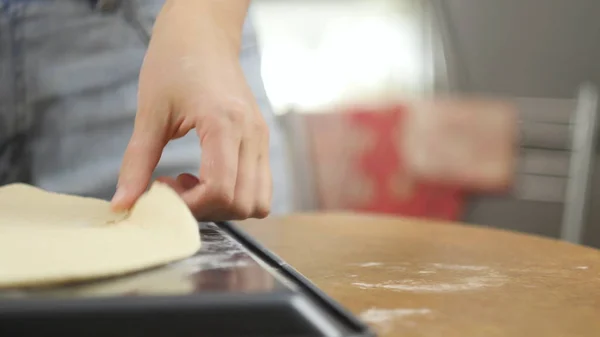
191, 79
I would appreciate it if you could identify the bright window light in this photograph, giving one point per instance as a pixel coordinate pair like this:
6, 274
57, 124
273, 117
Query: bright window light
316, 55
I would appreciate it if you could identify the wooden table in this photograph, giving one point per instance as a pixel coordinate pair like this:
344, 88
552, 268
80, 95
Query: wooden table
410, 277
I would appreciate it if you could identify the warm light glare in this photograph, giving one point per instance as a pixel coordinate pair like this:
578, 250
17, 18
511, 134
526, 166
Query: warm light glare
346, 57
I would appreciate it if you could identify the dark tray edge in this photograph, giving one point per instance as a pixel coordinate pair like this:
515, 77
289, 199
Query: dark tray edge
333, 307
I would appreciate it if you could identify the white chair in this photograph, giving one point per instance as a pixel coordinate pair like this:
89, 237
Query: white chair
553, 176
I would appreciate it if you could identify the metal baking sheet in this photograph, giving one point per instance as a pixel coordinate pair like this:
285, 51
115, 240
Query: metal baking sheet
232, 287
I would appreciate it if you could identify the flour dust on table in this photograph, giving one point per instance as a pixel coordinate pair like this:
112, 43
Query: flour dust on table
385, 319
433, 278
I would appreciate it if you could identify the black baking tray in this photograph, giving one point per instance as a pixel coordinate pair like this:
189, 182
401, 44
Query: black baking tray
214, 293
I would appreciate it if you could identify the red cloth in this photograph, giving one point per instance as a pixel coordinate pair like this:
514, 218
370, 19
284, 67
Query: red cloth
359, 166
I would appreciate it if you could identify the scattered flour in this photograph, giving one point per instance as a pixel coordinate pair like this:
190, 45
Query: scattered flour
423, 286
477, 277
582, 267
371, 264
384, 319
224, 261
459, 267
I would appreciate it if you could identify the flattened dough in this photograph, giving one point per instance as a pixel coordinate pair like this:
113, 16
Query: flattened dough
48, 238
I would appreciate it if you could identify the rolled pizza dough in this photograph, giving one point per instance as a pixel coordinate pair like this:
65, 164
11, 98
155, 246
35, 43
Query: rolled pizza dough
48, 238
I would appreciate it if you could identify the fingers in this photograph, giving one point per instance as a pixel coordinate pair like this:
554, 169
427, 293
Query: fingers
244, 201
264, 179
141, 157
187, 181
221, 143
264, 188
182, 184
242, 206
235, 177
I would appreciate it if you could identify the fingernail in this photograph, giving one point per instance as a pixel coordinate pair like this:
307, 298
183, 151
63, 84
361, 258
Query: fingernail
118, 198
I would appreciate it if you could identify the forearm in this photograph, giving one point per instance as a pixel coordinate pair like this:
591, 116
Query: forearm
213, 22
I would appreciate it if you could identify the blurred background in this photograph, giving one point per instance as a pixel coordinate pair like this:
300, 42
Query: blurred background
345, 77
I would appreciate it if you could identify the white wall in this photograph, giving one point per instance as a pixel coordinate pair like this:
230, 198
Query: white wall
538, 48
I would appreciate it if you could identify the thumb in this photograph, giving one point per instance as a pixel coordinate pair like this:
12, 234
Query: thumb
141, 157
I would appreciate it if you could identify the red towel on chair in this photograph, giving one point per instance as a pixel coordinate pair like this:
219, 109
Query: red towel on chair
359, 165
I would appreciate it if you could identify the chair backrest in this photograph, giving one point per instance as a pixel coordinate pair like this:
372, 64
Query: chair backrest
550, 194
581, 168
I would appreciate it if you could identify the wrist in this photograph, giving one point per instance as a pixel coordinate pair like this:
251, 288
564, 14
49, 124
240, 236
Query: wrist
216, 22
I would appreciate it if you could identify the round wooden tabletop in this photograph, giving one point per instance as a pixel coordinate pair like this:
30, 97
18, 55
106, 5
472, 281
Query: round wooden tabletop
408, 277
